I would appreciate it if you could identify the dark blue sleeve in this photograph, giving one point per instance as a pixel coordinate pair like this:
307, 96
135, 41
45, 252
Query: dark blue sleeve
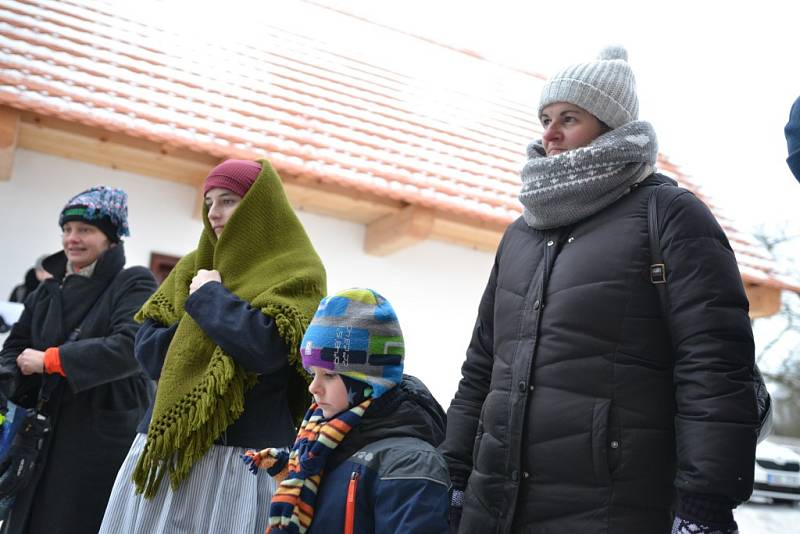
250, 337
411, 506
150, 346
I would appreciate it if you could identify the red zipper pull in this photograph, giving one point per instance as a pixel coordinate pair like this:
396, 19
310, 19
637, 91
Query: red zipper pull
350, 509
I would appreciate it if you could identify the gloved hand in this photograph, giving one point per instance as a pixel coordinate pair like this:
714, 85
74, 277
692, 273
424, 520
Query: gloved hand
685, 526
456, 506
275, 461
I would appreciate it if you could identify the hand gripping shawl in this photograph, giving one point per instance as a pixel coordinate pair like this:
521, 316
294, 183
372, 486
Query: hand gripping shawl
264, 257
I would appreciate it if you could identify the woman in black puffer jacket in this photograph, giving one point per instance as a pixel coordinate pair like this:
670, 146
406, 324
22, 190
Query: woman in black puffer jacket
581, 408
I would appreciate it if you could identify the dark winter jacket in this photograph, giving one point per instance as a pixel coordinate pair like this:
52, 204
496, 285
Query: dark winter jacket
580, 409
399, 479
253, 341
94, 409
792, 131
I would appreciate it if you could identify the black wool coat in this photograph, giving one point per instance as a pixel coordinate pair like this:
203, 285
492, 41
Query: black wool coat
94, 409
580, 408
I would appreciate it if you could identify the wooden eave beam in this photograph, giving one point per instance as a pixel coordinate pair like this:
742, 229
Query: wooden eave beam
467, 232
123, 152
131, 154
113, 150
391, 225
764, 300
9, 137
398, 230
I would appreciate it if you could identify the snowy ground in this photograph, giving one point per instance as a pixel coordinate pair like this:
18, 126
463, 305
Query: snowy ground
763, 518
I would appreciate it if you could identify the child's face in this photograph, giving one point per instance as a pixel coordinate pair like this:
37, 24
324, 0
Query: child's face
329, 391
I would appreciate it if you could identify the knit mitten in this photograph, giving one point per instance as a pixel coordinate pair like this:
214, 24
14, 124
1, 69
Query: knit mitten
456, 506
685, 526
275, 461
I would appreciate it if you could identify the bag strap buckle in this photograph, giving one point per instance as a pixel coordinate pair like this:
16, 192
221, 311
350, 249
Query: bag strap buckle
658, 273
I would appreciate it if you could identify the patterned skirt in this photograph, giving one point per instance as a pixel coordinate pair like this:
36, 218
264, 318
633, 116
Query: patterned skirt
220, 495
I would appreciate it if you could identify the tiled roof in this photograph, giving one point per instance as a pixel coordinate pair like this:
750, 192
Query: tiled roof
446, 133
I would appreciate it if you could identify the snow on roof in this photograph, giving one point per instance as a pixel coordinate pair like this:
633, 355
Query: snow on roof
318, 92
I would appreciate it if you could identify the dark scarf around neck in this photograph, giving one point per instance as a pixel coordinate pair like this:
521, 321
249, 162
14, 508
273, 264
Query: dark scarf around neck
64, 302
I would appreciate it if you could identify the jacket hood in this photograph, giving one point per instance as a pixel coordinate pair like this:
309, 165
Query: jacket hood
407, 410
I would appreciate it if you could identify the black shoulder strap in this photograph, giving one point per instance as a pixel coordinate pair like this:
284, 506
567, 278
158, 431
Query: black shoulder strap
658, 270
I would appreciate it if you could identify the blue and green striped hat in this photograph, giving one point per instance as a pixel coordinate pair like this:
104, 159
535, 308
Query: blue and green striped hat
356, 333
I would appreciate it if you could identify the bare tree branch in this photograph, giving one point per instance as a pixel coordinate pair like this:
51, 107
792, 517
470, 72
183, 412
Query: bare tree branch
786, 373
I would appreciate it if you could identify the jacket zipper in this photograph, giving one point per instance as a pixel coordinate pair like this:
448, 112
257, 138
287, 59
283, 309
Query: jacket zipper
551, 242
350, 509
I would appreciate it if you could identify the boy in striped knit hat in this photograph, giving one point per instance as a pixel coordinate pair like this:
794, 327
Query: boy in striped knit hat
365, 458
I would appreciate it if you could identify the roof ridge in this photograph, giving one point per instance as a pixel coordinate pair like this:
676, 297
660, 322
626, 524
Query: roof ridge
467, 52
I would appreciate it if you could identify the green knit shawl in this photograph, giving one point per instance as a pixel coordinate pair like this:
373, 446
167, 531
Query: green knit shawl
264, 257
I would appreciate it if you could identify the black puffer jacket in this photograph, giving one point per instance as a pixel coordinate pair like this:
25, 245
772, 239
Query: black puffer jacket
575, 412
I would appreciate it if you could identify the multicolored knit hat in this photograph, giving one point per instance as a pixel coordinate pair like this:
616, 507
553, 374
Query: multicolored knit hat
101, 206
356, 333
236, 175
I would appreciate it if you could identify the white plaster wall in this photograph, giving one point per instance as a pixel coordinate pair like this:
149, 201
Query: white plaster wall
159, 212
435, 287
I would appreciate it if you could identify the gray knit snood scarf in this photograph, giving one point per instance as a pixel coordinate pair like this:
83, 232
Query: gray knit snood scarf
568, 187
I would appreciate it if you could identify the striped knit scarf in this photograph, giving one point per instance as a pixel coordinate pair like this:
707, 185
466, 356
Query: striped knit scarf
568, 187
299, 472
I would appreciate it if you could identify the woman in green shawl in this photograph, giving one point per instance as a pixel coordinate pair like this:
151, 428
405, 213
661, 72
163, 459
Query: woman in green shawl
221, 336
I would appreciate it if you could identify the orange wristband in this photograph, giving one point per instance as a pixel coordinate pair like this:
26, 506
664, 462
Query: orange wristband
52, 361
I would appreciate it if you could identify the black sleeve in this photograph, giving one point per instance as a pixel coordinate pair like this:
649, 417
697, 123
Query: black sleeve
90, 362
150, 346
250, 337
18, 340
716, 417
476, 373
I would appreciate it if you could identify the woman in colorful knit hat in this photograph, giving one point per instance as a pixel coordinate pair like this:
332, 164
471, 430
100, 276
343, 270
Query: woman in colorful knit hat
583, 406
74, 343
221, 338
365, 458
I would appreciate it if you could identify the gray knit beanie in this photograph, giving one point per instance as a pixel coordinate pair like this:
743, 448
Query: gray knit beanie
605, 88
